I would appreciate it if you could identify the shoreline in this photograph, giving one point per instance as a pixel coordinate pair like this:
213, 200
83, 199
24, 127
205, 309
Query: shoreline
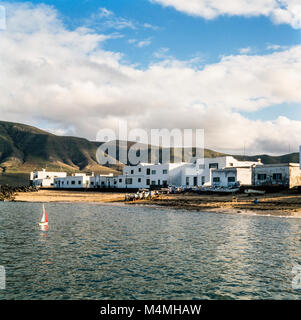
280, 204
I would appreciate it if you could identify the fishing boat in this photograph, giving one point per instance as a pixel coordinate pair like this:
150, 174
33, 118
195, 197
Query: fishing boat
44, 220
253, 191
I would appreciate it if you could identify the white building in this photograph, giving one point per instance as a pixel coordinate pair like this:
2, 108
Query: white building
76, 181
45, 178
286, 175
200, 173
146, 175
229, 177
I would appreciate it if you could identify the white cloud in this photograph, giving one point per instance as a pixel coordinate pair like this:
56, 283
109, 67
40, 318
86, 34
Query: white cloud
103, 12
150, 26
65, 79
245, 50
280, 11
144, 43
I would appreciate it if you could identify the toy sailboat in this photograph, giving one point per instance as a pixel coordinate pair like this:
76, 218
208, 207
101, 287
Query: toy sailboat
44, 220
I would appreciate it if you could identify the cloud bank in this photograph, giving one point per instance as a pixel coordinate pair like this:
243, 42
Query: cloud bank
279, 11
65, 80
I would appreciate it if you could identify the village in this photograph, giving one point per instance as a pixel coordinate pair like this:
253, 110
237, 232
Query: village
220, 174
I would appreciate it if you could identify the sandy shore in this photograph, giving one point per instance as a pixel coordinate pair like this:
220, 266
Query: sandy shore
68, 196
270, 204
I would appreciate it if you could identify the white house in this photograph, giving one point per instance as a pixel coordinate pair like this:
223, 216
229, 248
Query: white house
45, 178
287, 175
229, 177
76, 181
200, 172
146, 175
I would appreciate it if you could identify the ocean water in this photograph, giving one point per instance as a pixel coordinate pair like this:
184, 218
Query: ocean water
95, 251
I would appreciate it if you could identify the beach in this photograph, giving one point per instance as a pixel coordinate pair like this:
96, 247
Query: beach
278, 204
68, 196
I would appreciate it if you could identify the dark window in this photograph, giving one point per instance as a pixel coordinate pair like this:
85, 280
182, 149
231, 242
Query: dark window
262, 176
139, 169
153, 182
216, 179
164, 183
139, 179
132, 171
147, 182
120, 180
231, 179
165, 171
129, 181
92, 183
203, 180
115, 181
277, 176
72, 182
187, 181
153, 171
195, 181
148, 171
213, 165
159, 182
79, 182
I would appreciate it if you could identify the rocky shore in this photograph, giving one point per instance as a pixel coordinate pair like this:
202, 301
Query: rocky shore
8, 193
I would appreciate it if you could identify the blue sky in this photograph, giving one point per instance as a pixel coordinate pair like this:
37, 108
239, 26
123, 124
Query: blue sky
147, 33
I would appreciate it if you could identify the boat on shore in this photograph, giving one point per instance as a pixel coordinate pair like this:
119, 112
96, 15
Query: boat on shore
253, 191
220, 190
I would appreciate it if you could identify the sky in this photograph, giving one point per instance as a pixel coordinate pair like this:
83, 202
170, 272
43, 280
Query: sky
232, 68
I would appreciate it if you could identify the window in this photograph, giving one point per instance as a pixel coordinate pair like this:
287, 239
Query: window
187, 181
72, 182
92, 183
203, 180
231, 164
115, 181
139, 169
262, 176
147, 182
195, 181
139, 179
153, 183
154, 171
129, 181
79, 182
277, 176
213, 165
159, 182
165, 171
165, 183
120, 180
216, 179
231, 179
148, 171
67, 182
132, 171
